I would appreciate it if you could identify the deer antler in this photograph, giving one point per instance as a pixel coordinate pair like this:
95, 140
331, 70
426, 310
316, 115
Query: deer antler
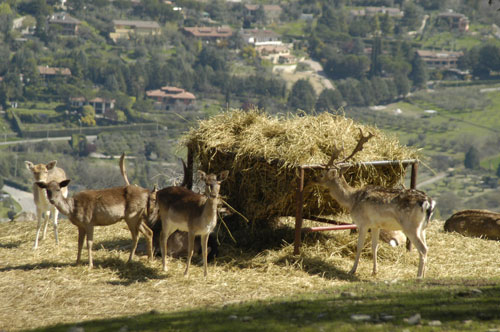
336, 153
362, 140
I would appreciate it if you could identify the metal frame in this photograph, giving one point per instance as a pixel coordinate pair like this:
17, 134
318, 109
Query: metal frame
299, 198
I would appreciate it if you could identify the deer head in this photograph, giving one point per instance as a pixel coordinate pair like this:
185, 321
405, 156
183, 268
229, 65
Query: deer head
333, 171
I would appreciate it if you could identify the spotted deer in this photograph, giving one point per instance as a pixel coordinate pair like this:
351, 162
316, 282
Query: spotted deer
45, 210
182, 209
375, 207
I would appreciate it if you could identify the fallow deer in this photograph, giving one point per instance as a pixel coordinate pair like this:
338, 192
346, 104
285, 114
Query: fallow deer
45, 210
182, 209
375, 208
89, 208
475, 223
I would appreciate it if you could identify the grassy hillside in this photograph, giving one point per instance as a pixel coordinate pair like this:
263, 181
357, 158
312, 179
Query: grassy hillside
262, 285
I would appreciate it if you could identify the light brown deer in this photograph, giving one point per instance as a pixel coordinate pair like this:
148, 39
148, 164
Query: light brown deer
182, 209
44, 210
375, 208
90, 208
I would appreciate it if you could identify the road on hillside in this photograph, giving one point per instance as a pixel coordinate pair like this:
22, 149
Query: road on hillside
36, 140
318, 71
25, 199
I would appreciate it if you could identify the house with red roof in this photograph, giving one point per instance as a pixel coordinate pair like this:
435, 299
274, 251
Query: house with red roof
169, 95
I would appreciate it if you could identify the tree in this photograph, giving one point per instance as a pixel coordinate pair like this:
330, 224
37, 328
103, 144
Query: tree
419, 73
472, 159
328, 100
302, 96
88, 116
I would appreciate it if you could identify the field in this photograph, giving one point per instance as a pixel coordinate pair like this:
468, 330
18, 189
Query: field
249, 287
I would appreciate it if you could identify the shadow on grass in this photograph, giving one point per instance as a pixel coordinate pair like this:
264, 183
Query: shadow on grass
37, 266
10, 245
129, 272
386, 306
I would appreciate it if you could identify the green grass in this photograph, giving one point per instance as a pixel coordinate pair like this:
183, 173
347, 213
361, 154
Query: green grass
458, 305
292, 29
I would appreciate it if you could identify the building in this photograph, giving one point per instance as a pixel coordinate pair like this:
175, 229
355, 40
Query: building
454, 21
100, 105
372, 11
51, 73
127, 28
210, 34
64, 23
168, 96
272, 12
440, 59
277, 54
258, 37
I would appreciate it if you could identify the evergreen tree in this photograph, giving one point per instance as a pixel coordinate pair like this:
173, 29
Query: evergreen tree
472, 160
302, 96
329, 100
419, 73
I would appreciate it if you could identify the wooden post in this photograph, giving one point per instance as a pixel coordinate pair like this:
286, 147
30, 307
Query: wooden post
299, 199
414, 170
189, 171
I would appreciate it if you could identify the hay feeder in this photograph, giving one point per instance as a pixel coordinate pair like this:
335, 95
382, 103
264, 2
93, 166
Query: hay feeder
271, 160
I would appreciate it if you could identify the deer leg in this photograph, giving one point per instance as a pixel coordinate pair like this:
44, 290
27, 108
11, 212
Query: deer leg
191, 237
420, 245
46, 217
164, 235
90, 240
134, 230
55, 214
148, 234
361, 241
375, 237
81, 237
204, 252
39, 216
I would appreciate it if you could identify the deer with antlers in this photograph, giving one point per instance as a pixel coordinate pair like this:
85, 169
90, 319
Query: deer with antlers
374, 207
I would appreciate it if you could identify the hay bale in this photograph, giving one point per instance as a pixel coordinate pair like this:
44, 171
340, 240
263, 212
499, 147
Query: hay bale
262, 153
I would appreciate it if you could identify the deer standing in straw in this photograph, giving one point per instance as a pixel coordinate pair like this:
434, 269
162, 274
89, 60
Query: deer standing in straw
90, 208
44, 210
182, 209
375, 207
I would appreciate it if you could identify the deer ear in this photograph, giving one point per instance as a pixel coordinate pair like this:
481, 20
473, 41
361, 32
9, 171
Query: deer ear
64, 183
202, 175
332, 174
29, 165
223, 175
41, 184
51, 164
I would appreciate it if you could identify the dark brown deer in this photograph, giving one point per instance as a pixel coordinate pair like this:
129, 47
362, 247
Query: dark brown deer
374, 208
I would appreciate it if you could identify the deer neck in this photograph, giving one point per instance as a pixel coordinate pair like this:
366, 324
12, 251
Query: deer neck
210, 207
342, 192
65, 205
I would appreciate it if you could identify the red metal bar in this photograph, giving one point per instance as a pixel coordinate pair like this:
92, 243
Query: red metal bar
329, 228
298, 211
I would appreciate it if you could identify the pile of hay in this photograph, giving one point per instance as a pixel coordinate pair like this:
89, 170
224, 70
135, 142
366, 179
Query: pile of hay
262, 153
